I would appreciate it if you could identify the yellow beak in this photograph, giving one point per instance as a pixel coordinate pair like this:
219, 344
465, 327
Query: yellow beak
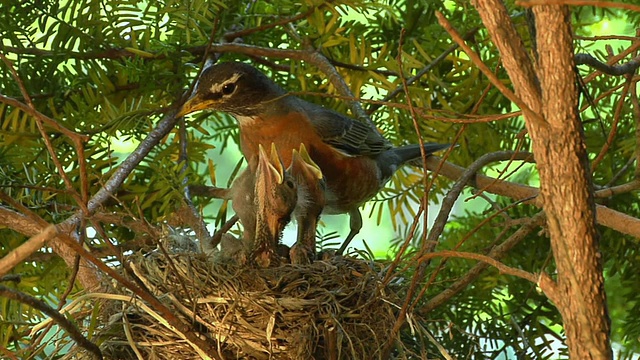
193, 104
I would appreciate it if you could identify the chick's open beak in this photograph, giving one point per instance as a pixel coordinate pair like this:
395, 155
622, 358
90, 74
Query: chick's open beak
271, 168
310, 164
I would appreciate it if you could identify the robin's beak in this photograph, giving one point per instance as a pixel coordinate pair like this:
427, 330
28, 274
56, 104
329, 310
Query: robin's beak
193, 104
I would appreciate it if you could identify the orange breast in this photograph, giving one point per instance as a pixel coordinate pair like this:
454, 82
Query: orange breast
350, 180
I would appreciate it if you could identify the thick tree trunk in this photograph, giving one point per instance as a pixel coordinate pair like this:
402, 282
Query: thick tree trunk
549, 92
567, 191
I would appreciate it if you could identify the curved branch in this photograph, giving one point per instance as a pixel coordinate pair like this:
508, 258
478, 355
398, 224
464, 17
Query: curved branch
528, 97
602, 4
62, 321
473, 273
441, 220
616, 70
610, 218
485, 259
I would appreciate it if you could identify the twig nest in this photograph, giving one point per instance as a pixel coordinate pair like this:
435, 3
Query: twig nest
332, 309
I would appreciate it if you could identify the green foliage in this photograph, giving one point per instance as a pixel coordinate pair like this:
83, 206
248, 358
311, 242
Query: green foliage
110, 69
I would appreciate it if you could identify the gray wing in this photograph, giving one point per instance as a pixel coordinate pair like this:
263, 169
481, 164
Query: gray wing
350, 136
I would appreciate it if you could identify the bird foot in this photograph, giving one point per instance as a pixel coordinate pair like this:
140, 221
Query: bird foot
301, 255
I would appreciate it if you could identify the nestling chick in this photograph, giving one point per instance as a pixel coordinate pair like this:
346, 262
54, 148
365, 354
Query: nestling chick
311, 200
275, 197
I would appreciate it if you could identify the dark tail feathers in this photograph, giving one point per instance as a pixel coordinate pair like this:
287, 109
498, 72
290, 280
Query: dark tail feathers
411, 152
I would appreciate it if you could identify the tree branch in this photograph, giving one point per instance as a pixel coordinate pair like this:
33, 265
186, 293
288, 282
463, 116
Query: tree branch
616, 70
473, 273
530, 93
439, 223
484, 258
60, 319
602, 4
610, 218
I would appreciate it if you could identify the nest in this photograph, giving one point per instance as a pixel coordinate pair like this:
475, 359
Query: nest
333, 309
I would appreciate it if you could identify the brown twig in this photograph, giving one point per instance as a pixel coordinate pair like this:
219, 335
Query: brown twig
633, 48
527, 72
434, 274
470, 34
17, 255
616, 70
614, 126
602, 4
422, 112
416, 127
414, 223
636, 117
60, 319
438, 227
45, 137
610, 218
484, 258
230, 36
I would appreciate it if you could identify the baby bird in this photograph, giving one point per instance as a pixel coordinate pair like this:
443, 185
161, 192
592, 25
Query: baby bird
275, 197
311, 200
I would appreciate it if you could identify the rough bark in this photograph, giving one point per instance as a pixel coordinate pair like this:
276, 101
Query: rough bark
566, 189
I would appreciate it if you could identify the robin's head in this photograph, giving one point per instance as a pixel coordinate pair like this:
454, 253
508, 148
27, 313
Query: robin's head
232, 87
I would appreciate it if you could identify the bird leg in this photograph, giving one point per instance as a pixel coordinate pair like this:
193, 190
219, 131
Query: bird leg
355, 224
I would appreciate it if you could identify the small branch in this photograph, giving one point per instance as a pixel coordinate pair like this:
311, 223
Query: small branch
47, 120
423, 71
636, 116
617, 190
602, 4
17, 255
41, 119
631, 49
622, 172
438, 226
244, 32
60, 319
484, 258
416, 127
113, 53
344, 65
610, 218
614, 126
515, 58
15, 278
615, 70
109, 188
489, 74
322, 63
473, 273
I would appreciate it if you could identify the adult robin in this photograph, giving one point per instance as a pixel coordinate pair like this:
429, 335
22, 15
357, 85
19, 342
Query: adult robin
356, 160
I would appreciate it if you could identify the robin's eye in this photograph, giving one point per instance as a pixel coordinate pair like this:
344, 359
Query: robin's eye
290, 184
228, 89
